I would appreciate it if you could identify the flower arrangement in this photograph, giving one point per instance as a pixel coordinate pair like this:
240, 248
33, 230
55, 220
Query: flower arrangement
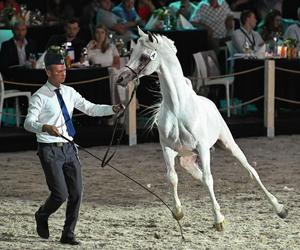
290, 42
165, 15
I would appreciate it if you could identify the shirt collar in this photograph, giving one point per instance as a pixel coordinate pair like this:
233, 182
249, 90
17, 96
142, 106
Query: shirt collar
52, 87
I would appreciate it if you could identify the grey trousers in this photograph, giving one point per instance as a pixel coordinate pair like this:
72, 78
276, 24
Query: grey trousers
63, 176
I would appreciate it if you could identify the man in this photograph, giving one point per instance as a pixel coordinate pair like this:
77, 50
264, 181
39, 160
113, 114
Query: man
183, 7
49, 116
293, 31
245, 39
71, 35
127, 12
217, 18
17, 50
114, 22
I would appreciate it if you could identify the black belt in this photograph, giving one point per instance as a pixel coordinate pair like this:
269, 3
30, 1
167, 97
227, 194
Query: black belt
55, 144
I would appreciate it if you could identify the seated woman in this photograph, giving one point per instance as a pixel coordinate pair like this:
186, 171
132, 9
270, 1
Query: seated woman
100, 51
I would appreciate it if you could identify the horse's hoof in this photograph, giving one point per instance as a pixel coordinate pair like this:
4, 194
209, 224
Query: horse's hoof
283, 214
220, 226
178, 215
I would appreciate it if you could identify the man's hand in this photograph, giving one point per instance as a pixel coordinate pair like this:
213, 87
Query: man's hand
51, 130
118, 108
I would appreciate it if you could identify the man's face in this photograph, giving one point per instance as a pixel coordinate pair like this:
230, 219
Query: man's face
72, 30
56, 74
128, 4
20, 32
105, 4
252, 20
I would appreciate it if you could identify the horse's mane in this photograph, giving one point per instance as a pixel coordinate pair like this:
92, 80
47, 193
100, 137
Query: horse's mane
160, 40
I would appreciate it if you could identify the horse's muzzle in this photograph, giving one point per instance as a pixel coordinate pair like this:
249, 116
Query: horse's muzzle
124, 77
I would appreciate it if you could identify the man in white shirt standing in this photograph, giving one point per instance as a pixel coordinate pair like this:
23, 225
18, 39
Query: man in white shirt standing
49, 116
293, 31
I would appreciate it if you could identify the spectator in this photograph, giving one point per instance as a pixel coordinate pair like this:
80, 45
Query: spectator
245, 39
100, 51
216, 17
113, 22
127, 12
293, 31
271, 26
71, 35
17, 50
144, 9
58, 11
184, 7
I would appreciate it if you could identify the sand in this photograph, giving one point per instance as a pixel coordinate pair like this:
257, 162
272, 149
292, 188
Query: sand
118, 214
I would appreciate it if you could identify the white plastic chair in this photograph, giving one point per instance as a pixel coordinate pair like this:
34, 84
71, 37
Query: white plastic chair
207, 65
14, 93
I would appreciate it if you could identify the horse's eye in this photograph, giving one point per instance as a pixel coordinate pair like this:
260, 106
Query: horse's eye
144, 57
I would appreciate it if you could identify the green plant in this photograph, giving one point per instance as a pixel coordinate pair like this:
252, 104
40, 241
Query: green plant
290, 42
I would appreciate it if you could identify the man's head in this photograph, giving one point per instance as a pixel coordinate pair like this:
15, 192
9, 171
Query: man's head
72, 28
248, 19
19, 30
105, 4
128, 4
55, 66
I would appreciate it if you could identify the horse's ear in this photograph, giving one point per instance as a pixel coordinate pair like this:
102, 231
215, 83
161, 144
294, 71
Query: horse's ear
150, 36
140, 32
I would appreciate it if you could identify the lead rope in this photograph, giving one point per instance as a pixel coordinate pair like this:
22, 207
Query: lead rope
130, 178
118, 115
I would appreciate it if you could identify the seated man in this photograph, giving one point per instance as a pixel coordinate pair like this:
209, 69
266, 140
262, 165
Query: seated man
71, 35
127, 12
18, 49
183, 7
245, 39
114, 22
217, 18
293, 31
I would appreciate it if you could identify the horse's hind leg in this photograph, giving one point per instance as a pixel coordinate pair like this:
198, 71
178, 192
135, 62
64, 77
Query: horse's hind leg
204, 155
230, 144
169, 156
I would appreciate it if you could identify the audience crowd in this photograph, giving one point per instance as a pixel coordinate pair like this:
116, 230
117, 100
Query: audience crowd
94, 26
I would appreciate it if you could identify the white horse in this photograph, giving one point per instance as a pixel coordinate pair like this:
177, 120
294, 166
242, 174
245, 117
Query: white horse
188, 124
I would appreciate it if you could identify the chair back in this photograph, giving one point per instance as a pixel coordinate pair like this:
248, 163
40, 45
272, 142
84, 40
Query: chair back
230, 62
211, 63
200, 72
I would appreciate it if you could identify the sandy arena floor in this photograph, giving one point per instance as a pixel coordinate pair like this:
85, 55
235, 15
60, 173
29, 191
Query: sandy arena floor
117, 214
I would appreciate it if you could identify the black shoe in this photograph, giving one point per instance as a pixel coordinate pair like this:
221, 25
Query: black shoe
70, 241
41, 226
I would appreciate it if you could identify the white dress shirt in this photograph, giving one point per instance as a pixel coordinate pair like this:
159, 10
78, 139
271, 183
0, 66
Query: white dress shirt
44, 108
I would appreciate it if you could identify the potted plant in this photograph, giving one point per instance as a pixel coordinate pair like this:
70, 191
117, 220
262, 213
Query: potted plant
290, 44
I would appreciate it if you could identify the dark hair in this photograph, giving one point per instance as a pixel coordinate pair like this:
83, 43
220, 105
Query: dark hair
72, 21
245, 14
269, 19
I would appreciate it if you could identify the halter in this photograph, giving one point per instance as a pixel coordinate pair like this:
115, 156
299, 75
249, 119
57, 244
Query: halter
148, 57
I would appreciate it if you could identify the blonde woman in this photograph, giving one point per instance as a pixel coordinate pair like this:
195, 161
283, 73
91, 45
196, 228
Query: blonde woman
100, 51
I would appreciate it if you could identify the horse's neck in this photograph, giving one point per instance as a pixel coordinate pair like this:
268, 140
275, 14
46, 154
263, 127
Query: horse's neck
172, 84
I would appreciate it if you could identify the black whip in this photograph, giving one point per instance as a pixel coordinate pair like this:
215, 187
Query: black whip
136, 182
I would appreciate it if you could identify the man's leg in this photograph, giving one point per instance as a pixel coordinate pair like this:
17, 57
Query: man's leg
72, 173
52, 160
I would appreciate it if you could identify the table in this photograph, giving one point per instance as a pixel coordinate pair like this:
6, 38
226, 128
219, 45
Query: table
251, 85
187, 42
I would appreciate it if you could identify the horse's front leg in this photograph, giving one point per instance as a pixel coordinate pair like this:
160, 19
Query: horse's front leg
169, 156
204, 155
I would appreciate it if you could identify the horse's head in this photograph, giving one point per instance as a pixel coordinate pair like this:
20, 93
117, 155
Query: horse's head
145, 58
